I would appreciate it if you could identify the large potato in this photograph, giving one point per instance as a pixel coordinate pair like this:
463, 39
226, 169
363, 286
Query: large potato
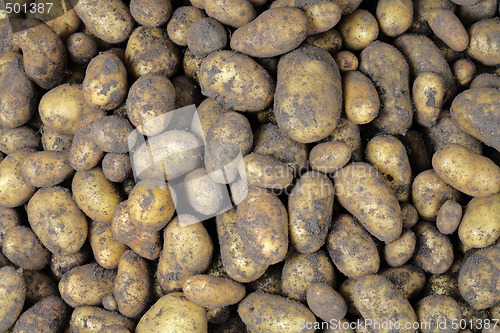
480, 225
264, 171
111, 134
15, 190
151, 13
205, 36
12, 294
308, 97
46, 168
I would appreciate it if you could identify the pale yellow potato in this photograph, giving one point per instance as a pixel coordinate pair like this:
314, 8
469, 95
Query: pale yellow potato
91, 319
394, 16
361, 100
346, 289
213, 291
265, 171
480, 225
434, 251
346, 60
485, 41
61, 16
206, 35
325, 302
358, 29
46, 168
328, 157
208, 112
9, 217
447, 27
151, 13
428, 95
234, 13
204, 195
15, 190
106, 248
24, 249
410, 215
49, 312
12, 139
398, 252
348, 6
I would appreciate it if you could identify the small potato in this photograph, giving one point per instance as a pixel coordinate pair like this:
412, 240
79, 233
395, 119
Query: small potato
429, 193
12, 294
325, 302
480, 224
50, 314
409, 279
410, 215
263, 226
204, 195
330, 41
105, 84
56, 141
428, 95
351, 248
468, 172
447, 27
485, 41
394, 16
205, 36
449, 217
106, 248
438, 311
388, 155
347, 61
398, 252
173, 313
361, 100
110, 21
151, 13
111, 134
213, 291
109, 303
46, 168
132, 285
116, 167
15, 190
328, 157
90, 319
464, 71
264, 171
182, 18
146, 41
95, 195
276, 31
234, 13
12, 139
86, 285
263, 312
22, 248
81, 48
434, 252
348, 132
358, 29
61, 264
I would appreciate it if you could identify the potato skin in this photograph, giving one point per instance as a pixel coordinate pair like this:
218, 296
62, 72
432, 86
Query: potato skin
264, 312
15, 190
206, 35
434, 251
361, 99
359, 188
116, 167
22, 247
9, 218
12, 293
213, 291
276, 31
468, 172
264, 171
90, 319
50, 314
325, 302
111, 134
480, 225
484, 42
394, 16
81, 47
398, 252
438, 310
46, 168
151, 13
447, 27
307, 105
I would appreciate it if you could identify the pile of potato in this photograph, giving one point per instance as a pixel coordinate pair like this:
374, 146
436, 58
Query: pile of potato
358, 142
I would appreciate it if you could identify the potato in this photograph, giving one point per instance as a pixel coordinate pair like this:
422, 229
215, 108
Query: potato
328, 157
86, 285
447, 27
262, 222
95, 195
439, 313
325, 302
111, 134
178, 25
116, 167
61, 264
15, 190
105, 84
444, 284
330, 41
429, 193
212, 291
486, 80
90, 319
204, 195
468, 172
206, 114
422, 9
206, 35
396, 116
378, 299
361, 100
46, 168
234, 13
12, 139
22, 248
428, 94
50, 314
276, 31
84, 154
480, 224
484, 42
351, 248
146, 41
482, 9
264, 171
449, 217
410, 215
239, 82
358, 29
106, 248
434, 251
263, 312
346, 61
388, 155
394, 16
81, 48
464, 70
151, 13
9, 218
145, 243
476, 112
44, 53
348, 6
307, 109
12, 294
478, 278
363, 192
346, 289
398, 252
113, 329
409, 279
187, 250
173, 313
238, 264
109, 303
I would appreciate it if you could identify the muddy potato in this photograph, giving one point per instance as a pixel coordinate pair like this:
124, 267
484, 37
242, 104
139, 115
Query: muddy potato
410, 215
61, 264
394, 87
15, 190
173, 313
276, 31
149, 50
476, 111
22, 248
263, 312
111, 134
151, 13
12, 294
361, 100
434, 251
422, 9
346, 60
447, 27
146, 244
358, 29
330, 41
206, 35
444, 284
264, 171
207, 113
106, 248
409, 279
429, 193
328, 157
187, 92
213, 291
234, 13
360, 188
9, 218
485, 41
84, 154
50, 314
398, 252
62, 18
428, 95
394, 16
480, 225
417, 150
46, 168
307, 105
12, 139
449, 217
116, 167
325, 302
239, 82
468, 172
262, 222
438, 312
270, 281
388, 155
464, 71
348, 132
182, 18
351, 248
486, 80
481, 10
346, 289
91, 319
81, 48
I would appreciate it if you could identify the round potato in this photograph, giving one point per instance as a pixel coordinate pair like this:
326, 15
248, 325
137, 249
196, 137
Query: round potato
480, 225
84, 154
213, 291
398, 252
361, 100
22, 248
106, 248
325, 302
410, 215
205, 36
346, 60
449, 217
151, 13
111, 134
486, 80
46, 168
485, 41
207, 113
434, 251
15, 190
447, 27
204, 195
182, 18
394, 16
358, 29
12, 294
234, 13
464, 71
438, 312
9, 218
81, 48
116, 167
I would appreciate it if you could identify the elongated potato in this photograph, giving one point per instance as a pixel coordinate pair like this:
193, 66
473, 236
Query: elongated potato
468, 172
12, 139
111, 134
264, 171
361, 99
22, 248
394, 16
440, 312
91, 319
428, 95
480, 225
325, 302
447, 27
234, 13
434, 252
15, 190
46, 168
308, 97
213, 291
409, 279
106, 248
264, 37
449, 217
361, 190
398, 252
12, 294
